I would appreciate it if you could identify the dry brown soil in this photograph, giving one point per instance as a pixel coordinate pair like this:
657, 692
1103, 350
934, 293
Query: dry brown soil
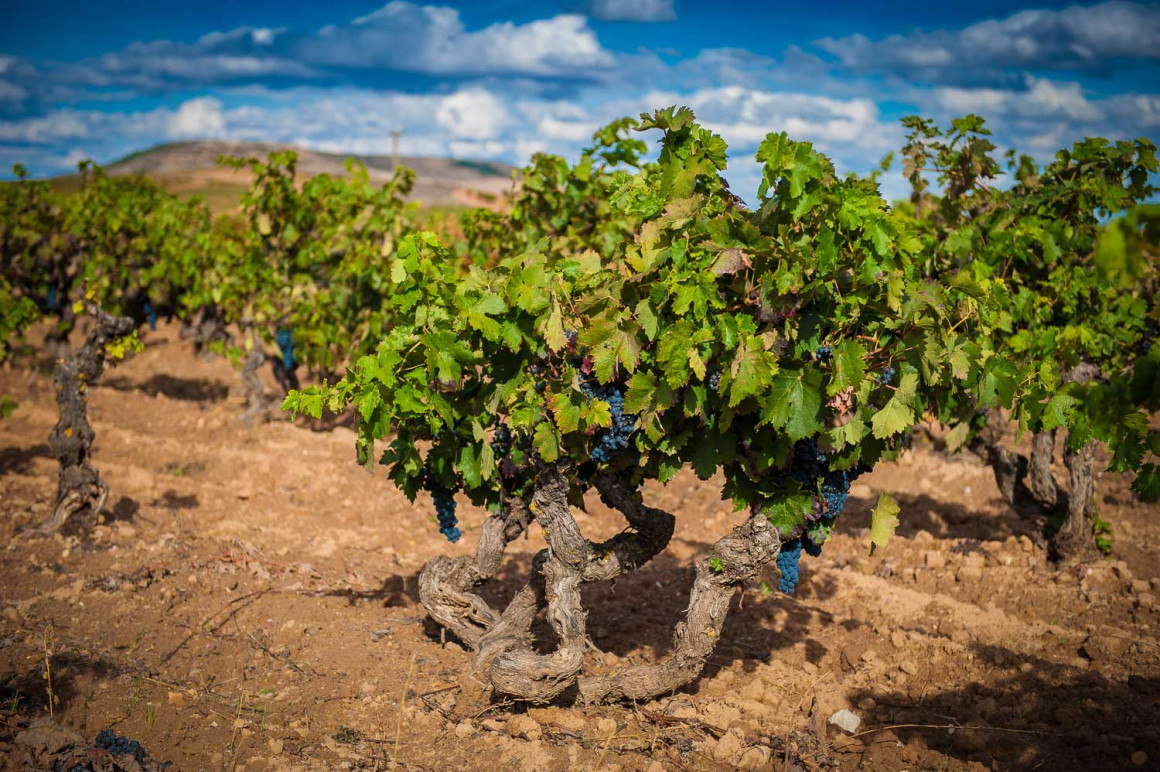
250, 603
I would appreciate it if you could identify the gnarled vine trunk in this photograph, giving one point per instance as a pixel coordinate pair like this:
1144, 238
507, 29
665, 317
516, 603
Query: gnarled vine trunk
1025, 483
504, 656
1074, 540
1010, 469
207, 327
1043, 486
80, 489
447, 586
734, 559
256, 402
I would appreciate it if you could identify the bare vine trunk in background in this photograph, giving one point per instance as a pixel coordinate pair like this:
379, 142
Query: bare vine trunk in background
1074, 539
1030, 484
80, 489
1043, 486
56, 339
207, 327
287, 379
256, 402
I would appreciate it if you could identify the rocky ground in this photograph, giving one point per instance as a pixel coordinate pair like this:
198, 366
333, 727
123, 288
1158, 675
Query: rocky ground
249, 603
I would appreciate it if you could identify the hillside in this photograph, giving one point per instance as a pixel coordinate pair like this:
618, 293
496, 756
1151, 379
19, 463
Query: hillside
191, 168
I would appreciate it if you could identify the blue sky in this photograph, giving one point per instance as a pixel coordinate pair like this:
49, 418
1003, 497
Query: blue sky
504, 79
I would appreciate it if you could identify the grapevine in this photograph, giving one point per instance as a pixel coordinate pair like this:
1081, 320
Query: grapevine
658, 324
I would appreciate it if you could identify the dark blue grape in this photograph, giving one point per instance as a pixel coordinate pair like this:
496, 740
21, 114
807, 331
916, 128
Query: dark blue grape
886, 376
53, 299
444, 499
824, 353
610, 442
501, 443
285, 340
809, 467
110, 741
715, 380
151, 315
788, 560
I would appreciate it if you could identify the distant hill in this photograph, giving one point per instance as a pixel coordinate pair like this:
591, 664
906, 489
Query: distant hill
187, 168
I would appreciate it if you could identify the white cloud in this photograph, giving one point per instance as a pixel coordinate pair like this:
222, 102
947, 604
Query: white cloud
1042, 99
744, 116
631, 10
433, 39
1091, 38
473, 113
197, 118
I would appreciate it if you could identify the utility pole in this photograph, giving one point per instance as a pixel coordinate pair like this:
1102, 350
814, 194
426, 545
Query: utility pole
395, 134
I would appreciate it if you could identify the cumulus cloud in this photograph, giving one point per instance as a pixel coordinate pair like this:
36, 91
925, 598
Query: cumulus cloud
432, 39
201, 117
1096, 38
631, 10
744, 116
474, 114
1041, 100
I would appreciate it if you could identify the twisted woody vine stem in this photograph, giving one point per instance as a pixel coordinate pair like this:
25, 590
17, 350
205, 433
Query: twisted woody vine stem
80, 489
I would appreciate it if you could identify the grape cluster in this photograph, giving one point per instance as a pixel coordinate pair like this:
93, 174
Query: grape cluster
120, 746
444, 499
285, 340
788, 560
809, 467
824, 353
53, 299
886, 376
501, 443
715, 380
151, 315
610, 442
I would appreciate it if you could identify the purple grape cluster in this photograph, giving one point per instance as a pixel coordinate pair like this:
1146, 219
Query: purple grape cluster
886, 376
715, 380
110, 741
444, 499
610, 442
788, 563
809, 467
824, 353
501, 443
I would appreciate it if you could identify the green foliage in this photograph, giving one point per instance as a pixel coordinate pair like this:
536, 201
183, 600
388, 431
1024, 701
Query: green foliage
883, 522
16, 314
313, 256
1036, 235
650, 278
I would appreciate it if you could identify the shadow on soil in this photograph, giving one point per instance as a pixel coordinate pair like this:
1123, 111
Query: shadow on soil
183, 389
19, 460
944, 520
26, 689
1052, 716
170, 499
